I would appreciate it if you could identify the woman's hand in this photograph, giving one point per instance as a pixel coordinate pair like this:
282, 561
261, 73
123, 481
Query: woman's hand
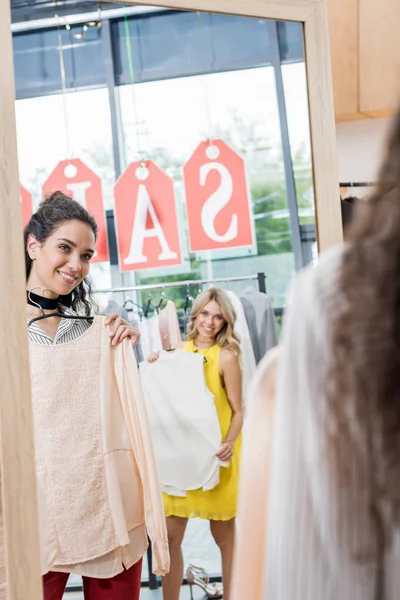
153, 357
226, 452
120, 330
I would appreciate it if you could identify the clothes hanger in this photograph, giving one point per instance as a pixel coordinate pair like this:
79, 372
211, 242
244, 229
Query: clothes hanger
189, 300
134, 304
128, 301
163, 299
148, 307
54, 314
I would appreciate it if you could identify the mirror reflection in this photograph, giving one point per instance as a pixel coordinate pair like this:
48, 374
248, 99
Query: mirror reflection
167, 202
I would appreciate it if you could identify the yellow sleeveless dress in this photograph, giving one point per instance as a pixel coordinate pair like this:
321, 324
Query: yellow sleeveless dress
219, 504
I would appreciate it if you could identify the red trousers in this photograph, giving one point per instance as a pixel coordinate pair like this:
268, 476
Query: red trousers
125, 586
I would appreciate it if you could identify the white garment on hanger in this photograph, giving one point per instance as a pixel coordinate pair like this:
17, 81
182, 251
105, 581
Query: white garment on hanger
183, 422
150, 336
248, 359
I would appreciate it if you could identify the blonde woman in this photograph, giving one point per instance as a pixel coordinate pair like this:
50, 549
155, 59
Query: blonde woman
211, 333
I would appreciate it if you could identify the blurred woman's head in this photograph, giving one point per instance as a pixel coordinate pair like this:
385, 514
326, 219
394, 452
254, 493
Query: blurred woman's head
364, 381
213, 320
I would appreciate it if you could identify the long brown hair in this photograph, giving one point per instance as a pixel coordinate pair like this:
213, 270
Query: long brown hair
227, 337
364, 379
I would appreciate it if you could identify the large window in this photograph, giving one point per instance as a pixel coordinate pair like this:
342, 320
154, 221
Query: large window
233, 98
37, 59
295, 86
179, 44
54, 128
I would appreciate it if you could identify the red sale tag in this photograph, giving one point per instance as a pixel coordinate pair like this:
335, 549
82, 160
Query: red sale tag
74, 178
146, 219
26, 205
217, 199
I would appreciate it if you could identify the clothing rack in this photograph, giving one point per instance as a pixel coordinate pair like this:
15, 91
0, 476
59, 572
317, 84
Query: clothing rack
260, 277
357, 184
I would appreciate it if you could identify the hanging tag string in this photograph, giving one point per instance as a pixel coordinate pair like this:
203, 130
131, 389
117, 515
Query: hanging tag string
204, 79
63, 87
132, 83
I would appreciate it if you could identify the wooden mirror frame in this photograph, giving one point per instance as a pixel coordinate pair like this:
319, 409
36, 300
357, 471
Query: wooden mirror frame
18, 469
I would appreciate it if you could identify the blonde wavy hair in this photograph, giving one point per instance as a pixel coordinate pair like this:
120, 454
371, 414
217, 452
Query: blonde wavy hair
227, 337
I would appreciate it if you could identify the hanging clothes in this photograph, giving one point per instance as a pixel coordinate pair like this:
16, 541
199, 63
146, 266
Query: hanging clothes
150, 335
135, 320
184, 322
129, 316
261, 321
96, 475
114, 307
169, 327
248, 360
183, 422
220, 503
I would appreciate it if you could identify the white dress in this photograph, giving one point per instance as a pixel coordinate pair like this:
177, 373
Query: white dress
183, 421
150, 336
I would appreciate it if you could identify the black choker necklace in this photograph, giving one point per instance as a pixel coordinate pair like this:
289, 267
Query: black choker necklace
45, 303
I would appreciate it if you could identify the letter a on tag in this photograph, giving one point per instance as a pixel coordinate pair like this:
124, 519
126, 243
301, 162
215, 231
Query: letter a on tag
146, 218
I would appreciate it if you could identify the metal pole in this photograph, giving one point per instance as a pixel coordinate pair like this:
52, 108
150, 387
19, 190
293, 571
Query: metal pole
161, 286
117, 277
111, 87
287, 156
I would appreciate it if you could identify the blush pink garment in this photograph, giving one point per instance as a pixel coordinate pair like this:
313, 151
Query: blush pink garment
169, 327
250, 545
96, 474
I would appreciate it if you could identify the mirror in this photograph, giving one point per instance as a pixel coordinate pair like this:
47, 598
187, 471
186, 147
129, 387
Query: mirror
230, 133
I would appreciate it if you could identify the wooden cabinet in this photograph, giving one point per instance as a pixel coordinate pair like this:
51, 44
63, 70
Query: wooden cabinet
365, 49
343, 24
379, 56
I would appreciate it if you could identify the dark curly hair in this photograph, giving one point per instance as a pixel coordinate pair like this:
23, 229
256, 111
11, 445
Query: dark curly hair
364, 379
53, 212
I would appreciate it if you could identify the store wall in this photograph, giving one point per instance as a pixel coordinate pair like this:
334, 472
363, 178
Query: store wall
360, 145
